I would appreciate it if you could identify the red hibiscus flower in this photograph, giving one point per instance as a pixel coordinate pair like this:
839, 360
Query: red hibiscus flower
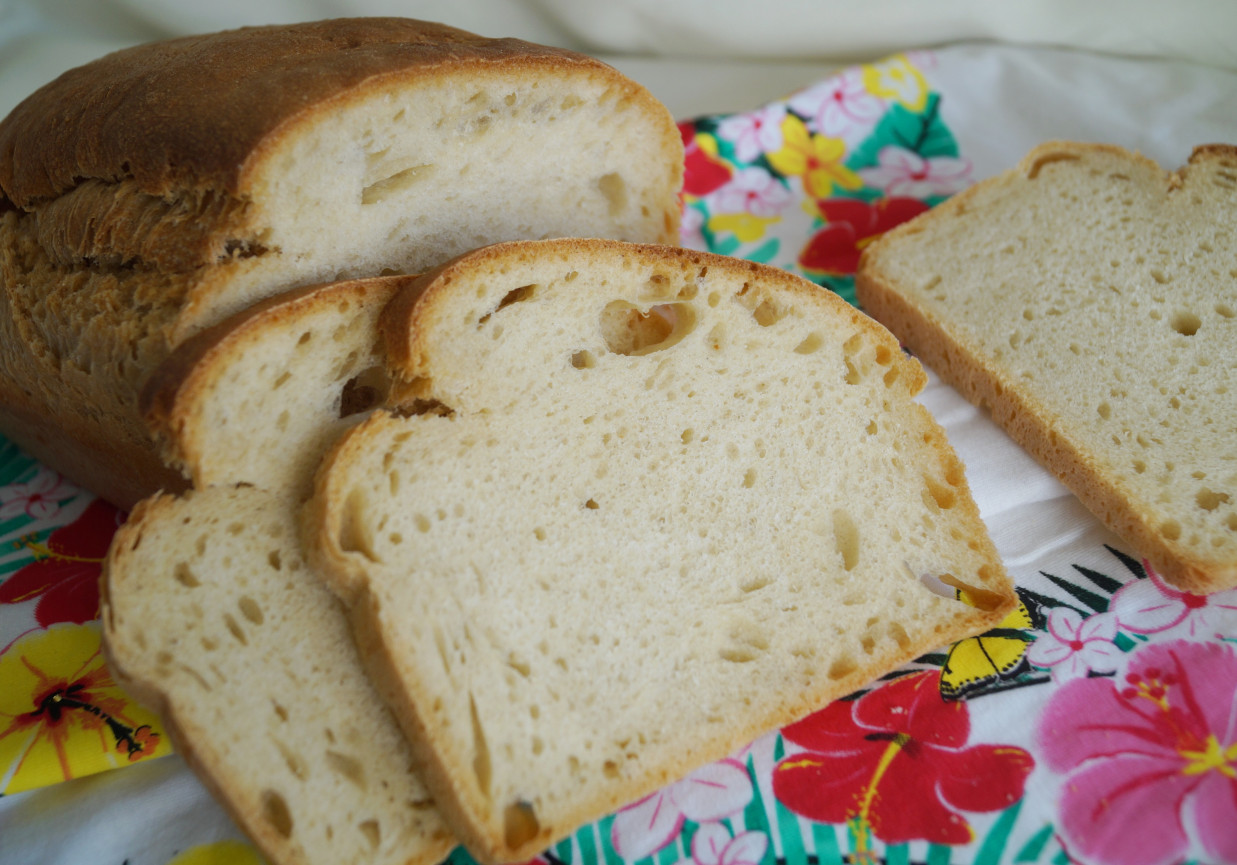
703, 172
896, 762
65, 574
850, 225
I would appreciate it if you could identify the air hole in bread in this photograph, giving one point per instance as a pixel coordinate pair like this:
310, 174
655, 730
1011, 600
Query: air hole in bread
354, 530
1209, 501
372, 831
363, 391
481, 766
293, 760
810, 344
275, 812
842, 667
749, 479
583, 359
767, 313
942, 495
846, 538
628, 331
614, 188
250, 610
520, 824
275, 559
1171, 530
1186, 323
514, 296
346, 766
235, 629
185, 576
283, 379
395, 183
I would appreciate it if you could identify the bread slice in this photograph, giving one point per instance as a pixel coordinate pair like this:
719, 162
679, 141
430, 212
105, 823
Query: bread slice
667, 502
211, 616
1088, 299
155, 191
259, 397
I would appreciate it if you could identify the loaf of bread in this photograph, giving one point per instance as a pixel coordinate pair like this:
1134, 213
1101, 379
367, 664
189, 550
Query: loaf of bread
211, 617
1088, 299
153, 192
656, 503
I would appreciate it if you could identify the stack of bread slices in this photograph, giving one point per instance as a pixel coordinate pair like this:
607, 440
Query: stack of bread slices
477, 555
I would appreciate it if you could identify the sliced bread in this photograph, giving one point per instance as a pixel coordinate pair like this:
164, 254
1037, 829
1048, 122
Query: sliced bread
1088, 299
666, 502
157, 190
211, 616
259, 397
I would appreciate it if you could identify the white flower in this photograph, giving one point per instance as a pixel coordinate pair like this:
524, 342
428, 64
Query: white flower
1152, 606
839, 105
711, 793
1074, 646
902, 172
38, 499
712, 845
752, 190
754, 132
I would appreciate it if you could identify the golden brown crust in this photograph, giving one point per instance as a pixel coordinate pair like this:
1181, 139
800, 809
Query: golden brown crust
1028, 423
190, 113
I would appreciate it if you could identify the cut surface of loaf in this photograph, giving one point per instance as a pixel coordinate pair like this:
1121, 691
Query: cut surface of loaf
258, 398
211, 616
1089, 300
155, 191
665, 502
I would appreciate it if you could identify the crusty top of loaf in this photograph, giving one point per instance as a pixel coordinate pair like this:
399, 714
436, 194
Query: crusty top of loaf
194, 112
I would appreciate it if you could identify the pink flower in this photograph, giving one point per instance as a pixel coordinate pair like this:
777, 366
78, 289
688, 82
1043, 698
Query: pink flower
1073, 646
752, 190
839, 105
1150, 758
904, 172
711, 793
755, 132
1152, 606
38, 499
712, 845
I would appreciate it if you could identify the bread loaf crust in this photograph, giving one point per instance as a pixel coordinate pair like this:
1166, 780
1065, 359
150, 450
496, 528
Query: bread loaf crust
942, 342
196, 113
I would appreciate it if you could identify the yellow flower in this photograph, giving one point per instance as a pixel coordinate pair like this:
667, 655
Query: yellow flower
897, 79
817, 158
745, 226
220, 853
61, 714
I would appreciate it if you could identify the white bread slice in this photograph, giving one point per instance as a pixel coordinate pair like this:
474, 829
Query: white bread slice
259, 397
1088, 299
668, 501
157, 190
211, 617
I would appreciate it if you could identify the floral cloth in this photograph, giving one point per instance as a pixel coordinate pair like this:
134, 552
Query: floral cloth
1097, 724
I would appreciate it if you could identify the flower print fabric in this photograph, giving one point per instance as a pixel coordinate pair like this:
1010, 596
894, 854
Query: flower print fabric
709, 794
63, 580
897, 760
1150, 757
62, 715
807, 182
